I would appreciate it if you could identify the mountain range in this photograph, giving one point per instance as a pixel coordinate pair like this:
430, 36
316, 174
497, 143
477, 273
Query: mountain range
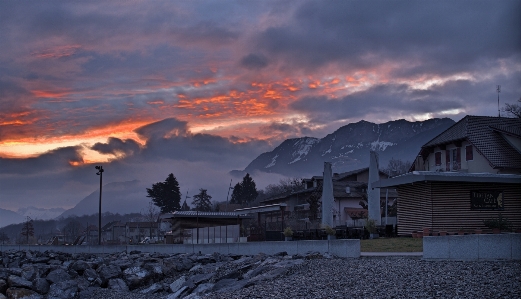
348, 147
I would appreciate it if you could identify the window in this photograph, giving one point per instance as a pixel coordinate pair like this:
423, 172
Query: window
453, 159
469, 154
437, 158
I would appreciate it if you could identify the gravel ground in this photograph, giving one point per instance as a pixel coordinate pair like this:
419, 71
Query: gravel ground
390, 277
375, 277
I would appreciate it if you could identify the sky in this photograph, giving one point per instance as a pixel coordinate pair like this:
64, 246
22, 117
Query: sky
199, 88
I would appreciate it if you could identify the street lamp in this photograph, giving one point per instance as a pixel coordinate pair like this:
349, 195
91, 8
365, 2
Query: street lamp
100, 173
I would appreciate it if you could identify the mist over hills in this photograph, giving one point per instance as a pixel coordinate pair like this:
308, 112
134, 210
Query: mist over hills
119, 197
348, 147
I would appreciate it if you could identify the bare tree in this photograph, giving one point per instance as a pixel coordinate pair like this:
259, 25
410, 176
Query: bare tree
513, 110
284, 185
73, 229
151, 215
397, 167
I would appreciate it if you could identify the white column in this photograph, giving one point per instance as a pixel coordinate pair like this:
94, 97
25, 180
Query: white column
327, 196
373, 195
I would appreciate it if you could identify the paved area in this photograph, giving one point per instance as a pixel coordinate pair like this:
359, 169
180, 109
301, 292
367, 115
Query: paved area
391, 254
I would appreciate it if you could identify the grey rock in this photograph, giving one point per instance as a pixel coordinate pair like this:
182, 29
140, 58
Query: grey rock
118, 284
154, 288
54, 262
136, 277
29, 272
38, 260
177, 294
63, 290
176, 285
79, 266
18, 282
2, 296
58, 275
41, 285
17, 293
3, 286
108, 272
228, 285
92, 276
203, 288
194, 280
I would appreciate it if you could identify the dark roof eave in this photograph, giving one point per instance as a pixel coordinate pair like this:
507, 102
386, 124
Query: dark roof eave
414, 178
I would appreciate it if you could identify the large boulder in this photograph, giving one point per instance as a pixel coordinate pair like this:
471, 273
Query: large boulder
18, 282
136, 277
41, 285
108, 272
58, 275
16, 293
3, 286
118, 284
63, 290
79, 266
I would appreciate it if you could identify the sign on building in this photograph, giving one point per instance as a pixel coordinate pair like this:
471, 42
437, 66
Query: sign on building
486, 200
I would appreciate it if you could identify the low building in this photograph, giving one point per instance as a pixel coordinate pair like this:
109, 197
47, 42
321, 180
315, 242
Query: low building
450, 201
468, 174
349, 192
195, 227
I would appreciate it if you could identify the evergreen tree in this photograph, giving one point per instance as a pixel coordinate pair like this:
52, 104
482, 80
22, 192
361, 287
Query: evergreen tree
202, 202
245, 191
236, 194
166, 195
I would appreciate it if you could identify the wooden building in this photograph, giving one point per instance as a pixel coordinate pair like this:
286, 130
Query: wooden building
450, 201
469, 173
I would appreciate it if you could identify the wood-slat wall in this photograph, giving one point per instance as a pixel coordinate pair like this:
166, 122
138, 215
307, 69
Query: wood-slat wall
414, 208
446, 206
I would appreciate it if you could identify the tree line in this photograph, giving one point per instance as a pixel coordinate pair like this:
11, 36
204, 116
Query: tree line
167, 195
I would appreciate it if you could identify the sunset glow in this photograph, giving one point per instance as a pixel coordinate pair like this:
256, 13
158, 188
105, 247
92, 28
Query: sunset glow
153, 87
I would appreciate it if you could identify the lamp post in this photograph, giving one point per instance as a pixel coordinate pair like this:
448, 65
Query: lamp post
100, 173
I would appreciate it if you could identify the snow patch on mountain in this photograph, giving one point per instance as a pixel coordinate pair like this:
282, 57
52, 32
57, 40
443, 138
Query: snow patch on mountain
273, 162
380, 145
302, 148
40, 213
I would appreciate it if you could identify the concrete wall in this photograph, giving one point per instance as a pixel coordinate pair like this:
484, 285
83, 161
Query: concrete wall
473, 247
342, 248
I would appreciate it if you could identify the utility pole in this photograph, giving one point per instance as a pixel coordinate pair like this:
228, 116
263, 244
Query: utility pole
229, 188
498, 89
100, 173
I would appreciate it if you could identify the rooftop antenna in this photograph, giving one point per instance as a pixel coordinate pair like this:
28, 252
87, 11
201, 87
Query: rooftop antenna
498, 89
187, 197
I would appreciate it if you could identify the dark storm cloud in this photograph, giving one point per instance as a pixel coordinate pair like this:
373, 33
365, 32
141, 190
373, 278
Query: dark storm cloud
162, 129
115, 146
441, 36
384, 99
254, 61
52, 161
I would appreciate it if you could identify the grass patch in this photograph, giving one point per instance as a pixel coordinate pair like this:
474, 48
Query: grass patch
392, 245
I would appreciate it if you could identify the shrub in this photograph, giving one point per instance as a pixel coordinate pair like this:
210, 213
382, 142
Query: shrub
330, 231
288, 232
370, 226
501, 222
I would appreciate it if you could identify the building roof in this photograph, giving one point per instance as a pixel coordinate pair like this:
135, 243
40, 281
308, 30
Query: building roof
432, 176
199, 214
485, 134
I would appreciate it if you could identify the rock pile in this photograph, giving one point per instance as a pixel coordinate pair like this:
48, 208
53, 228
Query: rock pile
32, 274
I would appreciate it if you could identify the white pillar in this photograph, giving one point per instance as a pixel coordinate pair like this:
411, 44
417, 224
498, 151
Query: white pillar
373, 195
327, 196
